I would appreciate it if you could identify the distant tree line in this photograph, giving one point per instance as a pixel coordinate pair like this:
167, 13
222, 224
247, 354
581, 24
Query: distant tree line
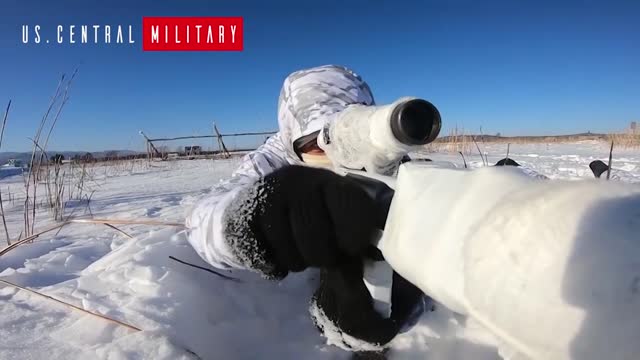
86, 157
57, 159
108, 156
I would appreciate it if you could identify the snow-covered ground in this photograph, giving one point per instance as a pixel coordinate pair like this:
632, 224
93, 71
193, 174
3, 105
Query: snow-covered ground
569, 161
184, 311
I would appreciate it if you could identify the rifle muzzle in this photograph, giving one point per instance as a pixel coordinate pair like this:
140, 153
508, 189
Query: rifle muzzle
415, 122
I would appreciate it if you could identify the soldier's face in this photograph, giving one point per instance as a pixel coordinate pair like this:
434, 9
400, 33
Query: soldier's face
312, 148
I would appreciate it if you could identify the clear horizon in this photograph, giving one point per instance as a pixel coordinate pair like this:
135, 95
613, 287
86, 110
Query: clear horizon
531, 68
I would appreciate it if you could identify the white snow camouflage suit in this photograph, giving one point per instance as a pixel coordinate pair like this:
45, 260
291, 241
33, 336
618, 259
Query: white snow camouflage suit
307, 101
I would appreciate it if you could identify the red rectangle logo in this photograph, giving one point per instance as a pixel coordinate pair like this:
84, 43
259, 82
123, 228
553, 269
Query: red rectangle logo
192, 34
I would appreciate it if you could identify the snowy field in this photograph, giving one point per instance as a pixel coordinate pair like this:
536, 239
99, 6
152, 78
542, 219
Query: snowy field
184, 311
568, 161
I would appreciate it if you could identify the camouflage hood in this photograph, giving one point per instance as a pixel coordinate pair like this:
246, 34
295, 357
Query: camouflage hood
309, 97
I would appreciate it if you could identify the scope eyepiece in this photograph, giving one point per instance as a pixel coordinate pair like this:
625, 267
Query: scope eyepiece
415, 122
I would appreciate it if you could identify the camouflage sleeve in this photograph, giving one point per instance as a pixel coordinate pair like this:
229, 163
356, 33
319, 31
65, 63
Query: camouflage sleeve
205, 221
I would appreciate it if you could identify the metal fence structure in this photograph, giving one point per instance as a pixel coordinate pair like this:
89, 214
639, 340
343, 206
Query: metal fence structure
216, 144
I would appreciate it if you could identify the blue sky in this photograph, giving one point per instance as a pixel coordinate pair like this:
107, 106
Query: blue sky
516, 67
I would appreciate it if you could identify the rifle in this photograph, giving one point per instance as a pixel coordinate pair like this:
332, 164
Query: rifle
551, 268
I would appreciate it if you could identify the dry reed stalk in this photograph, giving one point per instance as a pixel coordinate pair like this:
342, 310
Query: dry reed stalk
463, 159
118, 230
4, 220
11, 198
479, 152
58, 202
107, 222
126, 222
31, 237
484, 146
610, 161
59, 99
65, 98
4, 121
131, 327
29, 222
205, 269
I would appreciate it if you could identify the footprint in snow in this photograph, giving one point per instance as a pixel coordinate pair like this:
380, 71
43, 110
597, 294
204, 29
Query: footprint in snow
153, 211
172, 200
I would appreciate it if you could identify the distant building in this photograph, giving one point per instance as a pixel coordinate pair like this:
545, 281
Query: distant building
633, 127
15, 163
193, 150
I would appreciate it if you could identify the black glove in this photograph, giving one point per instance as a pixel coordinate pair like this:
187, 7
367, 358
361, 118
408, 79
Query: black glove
343, 302
299, 217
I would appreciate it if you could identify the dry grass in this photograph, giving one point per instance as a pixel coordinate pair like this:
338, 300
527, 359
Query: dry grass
460, 141
39, 156
628, 140
52, 176
107, 222
48, 184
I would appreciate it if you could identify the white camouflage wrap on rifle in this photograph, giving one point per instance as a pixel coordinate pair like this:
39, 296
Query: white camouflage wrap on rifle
307, 99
